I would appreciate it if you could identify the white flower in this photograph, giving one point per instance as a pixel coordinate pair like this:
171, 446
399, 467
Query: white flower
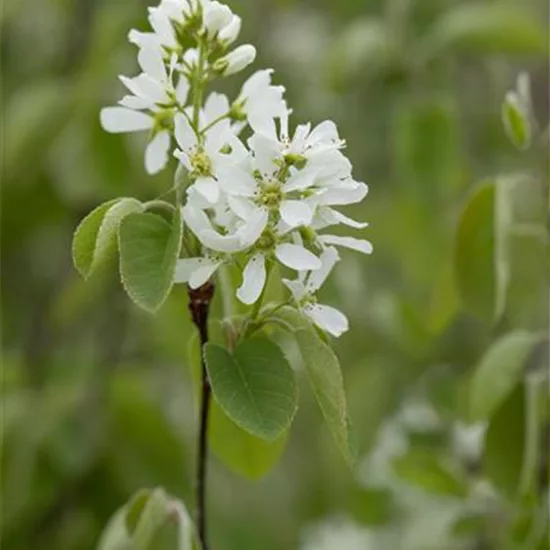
260, 101
248, 191
149, 107
197, 271
236, 60
303, 291
294, 256
201, 159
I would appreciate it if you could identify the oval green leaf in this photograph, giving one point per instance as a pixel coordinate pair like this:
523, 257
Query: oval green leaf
95, 240
474, 254
255, 386
498, 373
149, 249
325, 377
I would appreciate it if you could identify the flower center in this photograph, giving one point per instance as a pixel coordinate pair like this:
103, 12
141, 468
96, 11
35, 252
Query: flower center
200, 161
267, 241
270, 195
164, 120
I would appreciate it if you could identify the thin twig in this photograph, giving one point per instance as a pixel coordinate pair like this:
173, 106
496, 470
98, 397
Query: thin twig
199, 305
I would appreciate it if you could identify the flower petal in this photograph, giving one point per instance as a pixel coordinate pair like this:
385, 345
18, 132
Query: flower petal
156, 154
300, 181
251, 231
185, 136
296, 213
120, 119
343, 196
266, 151
329, 258
297, 288
182, 90
208, 188
254, 276
328, 318
151, 62
297, 257
202, 274
185, 267
236, 181
361, 245
241, 207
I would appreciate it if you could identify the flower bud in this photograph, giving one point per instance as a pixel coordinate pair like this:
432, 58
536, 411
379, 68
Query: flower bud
236, 60
231, 31
216, 17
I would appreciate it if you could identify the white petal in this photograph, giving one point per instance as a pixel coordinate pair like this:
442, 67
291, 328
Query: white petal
208, 188
258, 82
221, 243
241, 207
266, 151
136, 103
202, 274
251, 231
300, 181
120, 119
343, 196
325, 132
297, 288
182, 90
297, 257
151, 88
236, 181
326, 217
185, 136
329, 258
185, 267
360, 245
328, 318
254, 276
296, 213
151, 62
156, 154
132, 84
216, 106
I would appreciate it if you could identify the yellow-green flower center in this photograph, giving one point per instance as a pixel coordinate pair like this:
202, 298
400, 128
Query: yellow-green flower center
270, 195
202, 166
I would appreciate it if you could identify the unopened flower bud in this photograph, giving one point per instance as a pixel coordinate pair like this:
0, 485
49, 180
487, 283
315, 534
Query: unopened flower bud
230, 32
236, 60
216, 17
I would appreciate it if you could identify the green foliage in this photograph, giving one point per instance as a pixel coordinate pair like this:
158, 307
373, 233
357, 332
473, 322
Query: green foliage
255, 386
243, 453
95, 239
488, 27
498, 373
429, 472
474, 253
149, 249
325, 377
504, 443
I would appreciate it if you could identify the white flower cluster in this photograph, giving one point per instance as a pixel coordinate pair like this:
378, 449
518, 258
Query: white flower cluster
250, 201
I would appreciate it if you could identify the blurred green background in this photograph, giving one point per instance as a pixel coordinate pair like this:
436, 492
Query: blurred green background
96, 396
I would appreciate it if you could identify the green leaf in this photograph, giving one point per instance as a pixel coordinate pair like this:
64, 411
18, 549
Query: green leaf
474, 253
255, 386
95, 239
149, 249
325, 377
516, 121
504, 443
239, 450
498, 373
427, 471
487, 27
